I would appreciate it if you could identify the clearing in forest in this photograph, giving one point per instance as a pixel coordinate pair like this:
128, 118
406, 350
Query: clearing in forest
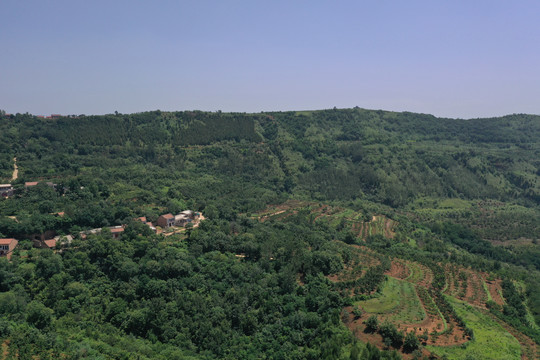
379, 224
491, 340
336, 216
408, 300
472, 286
398, 303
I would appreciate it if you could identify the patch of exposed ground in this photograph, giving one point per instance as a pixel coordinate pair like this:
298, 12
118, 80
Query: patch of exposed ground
5, 349
468, 285
398, 270
495, 290
15, 170
431, 324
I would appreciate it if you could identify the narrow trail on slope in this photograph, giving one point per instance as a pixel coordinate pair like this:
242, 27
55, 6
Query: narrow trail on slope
15, 170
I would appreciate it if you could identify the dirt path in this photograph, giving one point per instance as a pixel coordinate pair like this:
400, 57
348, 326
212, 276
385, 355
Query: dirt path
266, 217
15, 170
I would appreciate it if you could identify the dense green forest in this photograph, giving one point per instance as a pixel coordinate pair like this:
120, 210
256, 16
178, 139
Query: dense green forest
462, 194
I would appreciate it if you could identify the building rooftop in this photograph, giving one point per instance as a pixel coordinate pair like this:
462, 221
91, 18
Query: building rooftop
50, 243
6, 241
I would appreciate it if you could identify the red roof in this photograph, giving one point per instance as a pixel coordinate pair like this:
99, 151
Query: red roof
142, 218
168, 216
50, 243
117, 230
6, 241
31, 183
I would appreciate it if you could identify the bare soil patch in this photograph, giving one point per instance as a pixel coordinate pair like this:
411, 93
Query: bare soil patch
398, 270
15, 170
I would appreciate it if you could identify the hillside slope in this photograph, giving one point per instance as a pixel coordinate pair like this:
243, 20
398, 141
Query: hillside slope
309, 214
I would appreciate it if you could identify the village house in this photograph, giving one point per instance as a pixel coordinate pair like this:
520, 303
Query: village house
117, 231
51, 243
40, 240
30, 184
181, 220
7, 246
147, 223
84, 234
166, 221
58, 240
6, 190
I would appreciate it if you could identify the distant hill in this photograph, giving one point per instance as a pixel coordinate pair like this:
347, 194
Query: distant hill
316, 223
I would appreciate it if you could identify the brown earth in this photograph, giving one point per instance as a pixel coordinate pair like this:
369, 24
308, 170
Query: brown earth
433, 322
475, 293
398, 270
450, 280
495, 289
5, 349
363, 258
357, 327
427, 280
15, 170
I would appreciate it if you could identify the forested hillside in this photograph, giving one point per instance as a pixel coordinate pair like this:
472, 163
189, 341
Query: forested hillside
315, 221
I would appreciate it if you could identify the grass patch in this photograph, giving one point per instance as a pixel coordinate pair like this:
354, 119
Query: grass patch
487, 291
416, 273
398, 300
454, 204
490, 341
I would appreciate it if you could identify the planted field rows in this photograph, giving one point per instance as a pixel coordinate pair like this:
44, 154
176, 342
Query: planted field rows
419, 274
472, 287
378, 225
409, 300
398, 303
350, 281
491, 340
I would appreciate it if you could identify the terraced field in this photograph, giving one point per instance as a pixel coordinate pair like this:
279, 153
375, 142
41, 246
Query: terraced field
491, 340
398, 303
408, 298
378, 224
472, 287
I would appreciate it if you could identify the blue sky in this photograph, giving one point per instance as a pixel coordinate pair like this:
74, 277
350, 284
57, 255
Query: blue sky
449, 58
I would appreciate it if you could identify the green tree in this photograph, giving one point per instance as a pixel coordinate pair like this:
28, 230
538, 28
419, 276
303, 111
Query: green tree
411, 342
372, 324
38, 314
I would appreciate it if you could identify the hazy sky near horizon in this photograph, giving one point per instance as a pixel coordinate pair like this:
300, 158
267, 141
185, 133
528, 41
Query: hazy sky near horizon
448, 58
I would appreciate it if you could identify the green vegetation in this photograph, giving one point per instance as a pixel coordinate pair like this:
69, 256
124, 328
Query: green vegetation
398, 300
490, 341
306, 211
